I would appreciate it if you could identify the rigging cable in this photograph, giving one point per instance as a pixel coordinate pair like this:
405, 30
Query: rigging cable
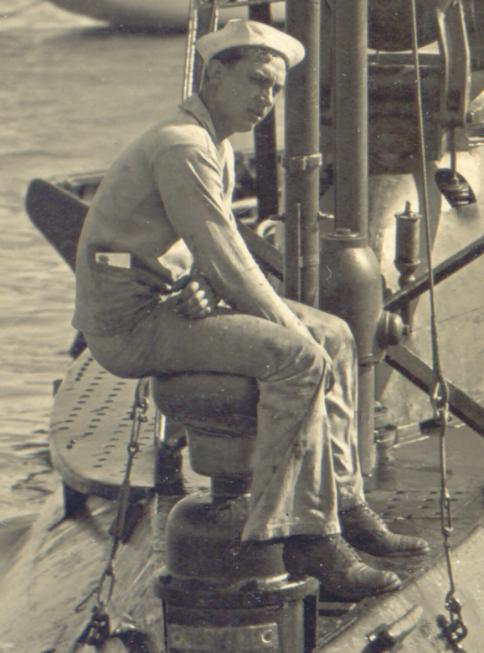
190, 69
454, 629
190, 49
98, 628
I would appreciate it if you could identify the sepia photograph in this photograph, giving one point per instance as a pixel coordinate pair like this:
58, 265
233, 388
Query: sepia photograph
241, 326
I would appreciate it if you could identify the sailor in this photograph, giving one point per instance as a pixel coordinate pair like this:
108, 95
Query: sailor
165, 283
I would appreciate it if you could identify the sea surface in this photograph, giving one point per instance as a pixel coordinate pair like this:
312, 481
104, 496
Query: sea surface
71, 97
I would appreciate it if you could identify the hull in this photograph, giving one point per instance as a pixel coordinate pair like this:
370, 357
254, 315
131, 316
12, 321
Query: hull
52, 567
56, 565
62, 558
146, 14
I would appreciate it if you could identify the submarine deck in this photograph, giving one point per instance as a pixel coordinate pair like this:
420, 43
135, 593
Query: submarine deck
90, 429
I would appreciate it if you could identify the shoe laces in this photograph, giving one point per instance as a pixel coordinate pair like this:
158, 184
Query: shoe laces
342, 548
365, 509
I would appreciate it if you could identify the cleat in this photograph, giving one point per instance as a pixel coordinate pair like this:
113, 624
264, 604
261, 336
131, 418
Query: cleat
366, 531
341, 572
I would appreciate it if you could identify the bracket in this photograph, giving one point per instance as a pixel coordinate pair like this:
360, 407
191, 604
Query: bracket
303, 162
420, 374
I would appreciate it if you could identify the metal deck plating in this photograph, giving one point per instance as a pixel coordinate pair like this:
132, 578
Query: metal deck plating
90, 431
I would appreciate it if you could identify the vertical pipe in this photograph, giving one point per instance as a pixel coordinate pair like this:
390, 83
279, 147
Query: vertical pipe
351, 115
302, 156
352, 289
207, 21
265, 143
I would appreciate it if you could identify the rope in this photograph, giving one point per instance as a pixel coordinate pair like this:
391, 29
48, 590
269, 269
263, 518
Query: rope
455, 631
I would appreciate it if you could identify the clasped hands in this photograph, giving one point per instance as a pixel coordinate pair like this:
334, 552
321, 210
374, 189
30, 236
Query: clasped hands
193, 297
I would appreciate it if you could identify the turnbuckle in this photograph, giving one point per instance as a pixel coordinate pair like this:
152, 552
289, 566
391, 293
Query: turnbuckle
140, 403
106, 578
440, 400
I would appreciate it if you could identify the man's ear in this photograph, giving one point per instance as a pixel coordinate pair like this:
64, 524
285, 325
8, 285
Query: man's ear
215, 70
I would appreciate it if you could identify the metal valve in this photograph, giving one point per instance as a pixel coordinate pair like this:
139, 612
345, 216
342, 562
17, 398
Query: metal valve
407, 248
390, 329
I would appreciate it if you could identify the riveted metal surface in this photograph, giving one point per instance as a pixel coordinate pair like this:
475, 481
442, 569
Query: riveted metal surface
90, 429
406, 492
259, 638
402, 504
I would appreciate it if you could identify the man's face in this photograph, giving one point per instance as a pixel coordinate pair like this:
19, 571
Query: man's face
247, 89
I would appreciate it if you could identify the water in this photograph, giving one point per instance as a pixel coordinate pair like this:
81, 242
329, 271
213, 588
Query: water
72, 95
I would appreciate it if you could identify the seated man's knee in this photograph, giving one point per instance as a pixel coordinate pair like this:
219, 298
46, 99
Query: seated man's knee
297, 357
345, 333
313, 363
339, 336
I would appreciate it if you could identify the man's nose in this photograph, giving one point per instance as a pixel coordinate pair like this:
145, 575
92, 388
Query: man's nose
267, 97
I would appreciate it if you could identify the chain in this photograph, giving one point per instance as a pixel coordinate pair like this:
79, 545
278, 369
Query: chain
453, 629
98, 629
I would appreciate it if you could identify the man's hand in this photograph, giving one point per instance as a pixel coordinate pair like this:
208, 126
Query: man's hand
196, 300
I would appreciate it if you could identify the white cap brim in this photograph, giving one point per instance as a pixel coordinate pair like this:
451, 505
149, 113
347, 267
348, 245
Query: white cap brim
250, 33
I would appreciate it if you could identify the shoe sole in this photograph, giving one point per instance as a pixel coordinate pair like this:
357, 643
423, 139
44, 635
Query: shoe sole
396, 554
358, 596
355, 596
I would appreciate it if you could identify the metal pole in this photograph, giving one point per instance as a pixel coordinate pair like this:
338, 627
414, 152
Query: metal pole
445, 269
265, 143
351, 115
351, 279
303, 159
207, 21
420, 374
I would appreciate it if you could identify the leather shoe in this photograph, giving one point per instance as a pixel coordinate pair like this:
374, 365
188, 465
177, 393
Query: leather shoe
339, 569
366, 531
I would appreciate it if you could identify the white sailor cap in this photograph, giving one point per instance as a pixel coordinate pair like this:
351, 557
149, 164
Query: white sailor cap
250, 33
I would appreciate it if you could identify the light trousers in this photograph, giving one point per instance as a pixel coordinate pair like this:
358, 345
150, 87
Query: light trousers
305, 465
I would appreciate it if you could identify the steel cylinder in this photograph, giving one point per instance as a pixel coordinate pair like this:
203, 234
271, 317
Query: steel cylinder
303, 158
407, 245
283, 621
351, 287
407, 250
203, 543
219, 594
350, 282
